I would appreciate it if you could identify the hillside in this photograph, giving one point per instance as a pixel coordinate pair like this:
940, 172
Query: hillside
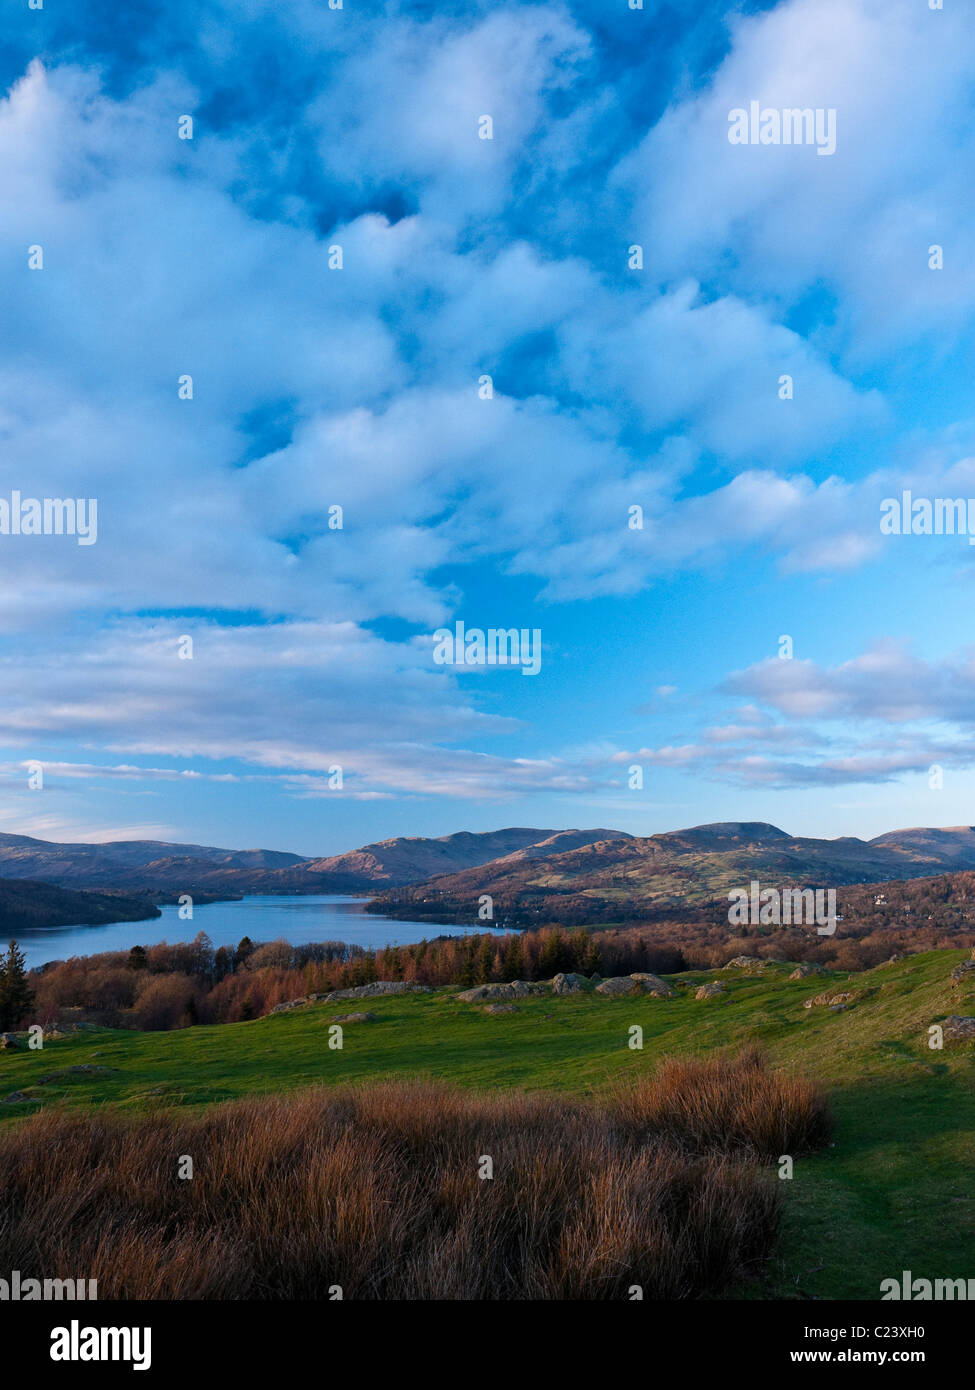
130, 863
157, 866
953, 845
25, 903
625, 879
905, 1116
406, 859
533, 874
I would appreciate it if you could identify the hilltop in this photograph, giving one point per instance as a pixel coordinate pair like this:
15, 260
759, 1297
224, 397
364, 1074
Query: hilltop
532, 874
159, 866
626, 880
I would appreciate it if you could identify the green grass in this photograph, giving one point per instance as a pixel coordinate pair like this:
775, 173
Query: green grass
889, 1195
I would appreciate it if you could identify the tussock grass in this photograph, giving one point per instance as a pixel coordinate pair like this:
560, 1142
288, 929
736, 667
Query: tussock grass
376, 1189
733, 1105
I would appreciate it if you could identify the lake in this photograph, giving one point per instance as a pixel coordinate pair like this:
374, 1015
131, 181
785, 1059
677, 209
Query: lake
317, 917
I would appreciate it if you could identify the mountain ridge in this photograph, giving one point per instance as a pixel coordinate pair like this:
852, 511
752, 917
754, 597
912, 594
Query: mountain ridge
599, 867
674, 870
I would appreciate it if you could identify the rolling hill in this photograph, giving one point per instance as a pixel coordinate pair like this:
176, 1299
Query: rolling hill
532, 874
26, 903
625, 879
127, 863
856, 1212
157, 866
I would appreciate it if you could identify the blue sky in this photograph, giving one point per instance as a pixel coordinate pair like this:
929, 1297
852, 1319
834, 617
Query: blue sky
613, 387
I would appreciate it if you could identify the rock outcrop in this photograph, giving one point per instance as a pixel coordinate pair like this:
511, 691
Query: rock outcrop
653, 984
619, 984
804, 969
709, 990
570, 983
373, 991
639, 983
828, 997
958, 1028
515, 989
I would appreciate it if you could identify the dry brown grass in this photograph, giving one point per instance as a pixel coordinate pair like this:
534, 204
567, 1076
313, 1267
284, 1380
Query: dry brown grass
376, 1189
731, 1105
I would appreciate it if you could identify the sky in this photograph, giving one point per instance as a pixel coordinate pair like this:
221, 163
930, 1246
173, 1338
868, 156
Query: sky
341, 372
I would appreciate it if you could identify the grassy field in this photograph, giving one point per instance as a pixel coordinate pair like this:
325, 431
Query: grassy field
891, 1194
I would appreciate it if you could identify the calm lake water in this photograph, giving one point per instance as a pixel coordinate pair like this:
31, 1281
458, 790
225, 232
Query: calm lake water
319, 917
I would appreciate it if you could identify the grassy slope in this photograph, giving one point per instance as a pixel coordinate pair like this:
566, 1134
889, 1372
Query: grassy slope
891, 1195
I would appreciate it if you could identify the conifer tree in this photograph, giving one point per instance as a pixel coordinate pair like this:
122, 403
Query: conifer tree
484, 960
245, 949
512, 964
16, 995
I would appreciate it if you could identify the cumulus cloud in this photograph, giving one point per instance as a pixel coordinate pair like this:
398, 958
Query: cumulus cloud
315, 387
781, 220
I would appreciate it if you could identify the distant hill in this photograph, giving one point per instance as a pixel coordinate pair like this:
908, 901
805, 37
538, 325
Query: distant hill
951, 845
130, 863
532, 874
626, 879
160, 867
407, 859
26, 903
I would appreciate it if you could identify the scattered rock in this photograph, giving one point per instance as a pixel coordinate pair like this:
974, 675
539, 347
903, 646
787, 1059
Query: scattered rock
747, 963
709, 990
516, 989
501, 1008
354, 1018
895, 959
639, 983
84, 1068
830, 999
8, 1041
960, 971
653, 984
570, 984
295, 1003
804, 969
958, 1028
18, 1098
619, 984
377, 987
